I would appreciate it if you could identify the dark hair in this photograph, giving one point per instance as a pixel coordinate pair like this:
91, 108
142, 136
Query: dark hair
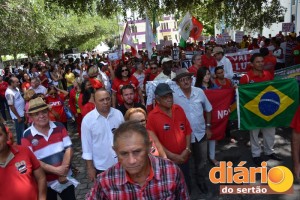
217, 68
255, 55
82, 86
201, 72
264, 51
129, 86
128, 128
87, 95
118, 72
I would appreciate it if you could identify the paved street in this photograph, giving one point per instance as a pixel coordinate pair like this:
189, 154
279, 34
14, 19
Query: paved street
225, 151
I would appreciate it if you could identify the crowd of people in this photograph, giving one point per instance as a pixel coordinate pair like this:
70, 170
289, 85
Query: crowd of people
132, 150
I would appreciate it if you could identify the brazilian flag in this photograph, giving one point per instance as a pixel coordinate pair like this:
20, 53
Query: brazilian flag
267, 104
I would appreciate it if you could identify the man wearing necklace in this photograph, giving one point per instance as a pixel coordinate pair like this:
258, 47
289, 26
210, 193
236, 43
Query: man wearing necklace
138, 175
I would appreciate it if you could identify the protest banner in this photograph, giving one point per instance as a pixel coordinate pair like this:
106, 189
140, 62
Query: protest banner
220, 41
239, 36
113, 56
226, 37
287, 27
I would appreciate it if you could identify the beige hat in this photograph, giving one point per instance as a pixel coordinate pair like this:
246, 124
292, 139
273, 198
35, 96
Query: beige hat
36, 105
166, 59
217, 50
93, 71
183, 72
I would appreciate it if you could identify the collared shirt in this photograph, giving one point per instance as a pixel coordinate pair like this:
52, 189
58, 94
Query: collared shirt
14, 97
251, 77
162, 76
97, 137
193, 108
171, 131
228, 71
167, 182
49, 148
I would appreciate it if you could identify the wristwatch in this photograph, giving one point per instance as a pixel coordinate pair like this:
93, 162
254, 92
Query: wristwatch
188, 149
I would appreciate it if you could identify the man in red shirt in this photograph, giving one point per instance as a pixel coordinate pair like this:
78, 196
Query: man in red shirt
257, 74
169, 122
208, 60
138, 175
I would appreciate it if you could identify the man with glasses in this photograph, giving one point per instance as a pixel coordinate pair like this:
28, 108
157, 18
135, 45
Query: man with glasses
127, 92
172, 128
194, 102
52, 145
16, 105
97, 134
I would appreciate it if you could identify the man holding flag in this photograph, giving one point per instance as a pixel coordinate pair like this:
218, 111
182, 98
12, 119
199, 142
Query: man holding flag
257, 74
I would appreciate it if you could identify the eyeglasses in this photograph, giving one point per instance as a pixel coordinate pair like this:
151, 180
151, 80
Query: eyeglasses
124, 70
184, 79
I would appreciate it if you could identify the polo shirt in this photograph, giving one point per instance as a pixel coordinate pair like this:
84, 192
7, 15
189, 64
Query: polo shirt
48, 149
193, 108
17, 179
250, 77
171, 131
97, 137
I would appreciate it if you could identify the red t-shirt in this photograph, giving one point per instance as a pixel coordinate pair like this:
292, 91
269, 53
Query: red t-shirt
57, 107
296, 53
269, 63
3, 87
96, 84
118, 84
226, 86
149, 77
171, 132
208, 62
17, 179
25, 85
295, 124
86, 108
193, 69
250, 77
46, 82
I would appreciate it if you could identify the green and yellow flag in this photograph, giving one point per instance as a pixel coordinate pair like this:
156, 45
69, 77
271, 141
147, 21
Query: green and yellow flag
267, 104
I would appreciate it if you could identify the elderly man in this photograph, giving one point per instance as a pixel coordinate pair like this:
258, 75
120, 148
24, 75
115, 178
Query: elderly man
97, 134
169, 122
16, 105
52, 145
193, 99
37, 87
167, 64
138, 174
218, 52
197, 63
19, 165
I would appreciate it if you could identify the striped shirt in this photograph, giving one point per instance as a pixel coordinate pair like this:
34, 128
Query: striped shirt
48, 149
165, 181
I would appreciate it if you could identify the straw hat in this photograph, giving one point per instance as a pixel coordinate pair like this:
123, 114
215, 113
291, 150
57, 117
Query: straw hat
36, 105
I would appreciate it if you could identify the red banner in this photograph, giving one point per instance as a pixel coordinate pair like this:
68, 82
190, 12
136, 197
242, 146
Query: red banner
220, 100
239, 62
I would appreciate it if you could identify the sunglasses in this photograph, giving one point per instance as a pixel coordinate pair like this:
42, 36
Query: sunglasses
124, 70
153, 67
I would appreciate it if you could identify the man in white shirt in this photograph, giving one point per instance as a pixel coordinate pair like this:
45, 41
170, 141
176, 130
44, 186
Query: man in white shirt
97, 134
194, 102
166, 73
16, 106
37, 87
218, 52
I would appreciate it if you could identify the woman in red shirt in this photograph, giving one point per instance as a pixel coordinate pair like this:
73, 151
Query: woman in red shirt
26, 82
56, 98
88, 103
123, 77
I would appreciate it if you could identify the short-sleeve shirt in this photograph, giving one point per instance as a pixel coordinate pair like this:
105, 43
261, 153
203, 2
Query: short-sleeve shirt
250, 77
208, 62
193, 108
118, 84
171, 131
14, 97
227, 85
57, 106
48, 149
19, 170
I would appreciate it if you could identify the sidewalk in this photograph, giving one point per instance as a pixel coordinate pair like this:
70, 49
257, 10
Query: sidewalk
224, 151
